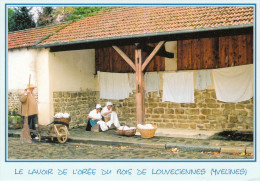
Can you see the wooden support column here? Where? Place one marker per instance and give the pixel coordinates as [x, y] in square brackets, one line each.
[139, 70]
[140, 109]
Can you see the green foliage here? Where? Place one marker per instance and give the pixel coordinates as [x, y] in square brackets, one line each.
[46, 17]
[10, 19]
[82, 12]
[14, 113]
[20, 19]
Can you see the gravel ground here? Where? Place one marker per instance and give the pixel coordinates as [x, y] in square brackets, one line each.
[70, 150]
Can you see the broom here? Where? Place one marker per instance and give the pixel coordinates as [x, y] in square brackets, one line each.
[25, 136]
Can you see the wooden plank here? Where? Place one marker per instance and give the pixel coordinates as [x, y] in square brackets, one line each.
[149, 58]
[215, 55]
[158, 63]
[249, 48]
[125, 57]
[179, 54]
[97, 55]
[195, 53]
[232, 51]
[106, 56]
[118, 62]
[185, 57]
[205, 52]
[188, 51]
[210, 55]
[242, 59]
[110, 59]
[222, 52]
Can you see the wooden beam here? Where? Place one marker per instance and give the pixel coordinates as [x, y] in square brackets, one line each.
[162, 52]
[139, 88]
[125, 57]
[149, 58]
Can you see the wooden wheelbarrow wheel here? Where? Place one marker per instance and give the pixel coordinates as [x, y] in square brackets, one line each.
[39, 137]
[63, 135]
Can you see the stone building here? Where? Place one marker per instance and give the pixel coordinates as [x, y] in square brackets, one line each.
[64, 59]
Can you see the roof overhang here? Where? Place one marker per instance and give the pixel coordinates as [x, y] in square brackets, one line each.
[149, 37]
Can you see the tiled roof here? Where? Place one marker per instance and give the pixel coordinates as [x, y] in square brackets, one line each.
[134, 21]
[125, 21]
[27, 38]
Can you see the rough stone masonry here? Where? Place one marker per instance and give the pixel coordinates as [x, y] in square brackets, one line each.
[207, 113]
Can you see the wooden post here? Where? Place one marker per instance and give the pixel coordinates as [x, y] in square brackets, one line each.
[140, 109]
[139, 67]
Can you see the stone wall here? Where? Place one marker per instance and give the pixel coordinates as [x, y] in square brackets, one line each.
[79, 104]
[206, 113]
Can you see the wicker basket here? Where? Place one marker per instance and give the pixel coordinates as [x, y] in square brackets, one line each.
[63, 120]
[130, 132]
[147, 133]
[120, 132]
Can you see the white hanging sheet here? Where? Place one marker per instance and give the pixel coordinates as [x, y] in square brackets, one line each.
[203, 79]
[152, 83]
[178, 87]
[113, 86]
[234, 84]
[132, 82]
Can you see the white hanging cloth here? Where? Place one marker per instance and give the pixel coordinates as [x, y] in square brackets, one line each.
[132, 82]
[113, 86]
[152, 83]
[234, 84]
[178, 87]
[203, 79]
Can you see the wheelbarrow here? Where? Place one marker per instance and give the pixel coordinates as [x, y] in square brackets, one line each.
[56, 129]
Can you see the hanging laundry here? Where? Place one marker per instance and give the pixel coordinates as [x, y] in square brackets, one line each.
[113, 86]
[203, 79]
[234, 84]
[152, 82]
[178, 87]
[132, 82]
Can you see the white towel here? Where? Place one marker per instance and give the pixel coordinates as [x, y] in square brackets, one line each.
[152, 82]
[178, 87]
[103, 125]
[132, 82]
[234, 84]
[113, 85]
[203, 79]
[113, 120]
[146, 126]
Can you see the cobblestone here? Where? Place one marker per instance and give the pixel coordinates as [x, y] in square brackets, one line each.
[70, 150]
[108, 145]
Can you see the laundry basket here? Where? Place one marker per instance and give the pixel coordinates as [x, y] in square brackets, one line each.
[147, 133]
[64, 121]
[130, 132]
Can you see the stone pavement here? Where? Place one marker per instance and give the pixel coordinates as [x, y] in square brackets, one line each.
[188, 141]
[72, 150]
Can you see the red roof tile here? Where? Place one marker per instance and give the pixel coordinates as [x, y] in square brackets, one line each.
[27, 38]
[132, 21]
